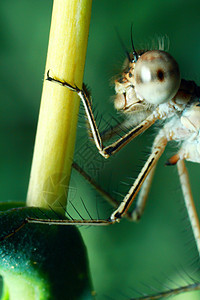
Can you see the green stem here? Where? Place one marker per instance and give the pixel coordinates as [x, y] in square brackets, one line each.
[56, 132]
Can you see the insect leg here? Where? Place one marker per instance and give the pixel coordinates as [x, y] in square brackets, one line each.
[70, 222]
[136, 214]
[189, 202]
[122, 210]
[172, 292]
[117, 129]
[13, 231]
[125, 139]
[107, 151]
[142, 197]
[158, 148]
[99, 189]
[106, 196]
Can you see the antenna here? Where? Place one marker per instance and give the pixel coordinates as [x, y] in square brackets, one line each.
[123, 45]
[135, 56]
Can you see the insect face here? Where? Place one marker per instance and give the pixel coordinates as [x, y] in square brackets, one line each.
[126, 99]
[152, 80]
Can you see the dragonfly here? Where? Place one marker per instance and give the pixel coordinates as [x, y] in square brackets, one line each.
[148, 90]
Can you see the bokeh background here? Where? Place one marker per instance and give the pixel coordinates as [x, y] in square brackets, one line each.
[159, 251]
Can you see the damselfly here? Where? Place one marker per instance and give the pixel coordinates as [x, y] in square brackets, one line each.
[149, 89]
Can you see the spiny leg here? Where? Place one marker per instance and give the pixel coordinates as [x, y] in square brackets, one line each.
[189, 202]
[137, 212]
[98, 188]
[158, 148]
[107, 134]
[14, 231]
[70, 222]
[121, 142]
[142, 197]
[173, 292]
[105, 195]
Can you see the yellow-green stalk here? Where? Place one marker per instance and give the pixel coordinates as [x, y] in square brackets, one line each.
[56, 132]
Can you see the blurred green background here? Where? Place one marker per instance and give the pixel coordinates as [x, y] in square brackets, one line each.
[125, 257]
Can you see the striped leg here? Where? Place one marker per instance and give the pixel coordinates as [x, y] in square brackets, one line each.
[170, 293]
[98, 188]
[189, 202]
[142, 197]
[136, 214]
[185, 185]
[158, 148]
[107, 151]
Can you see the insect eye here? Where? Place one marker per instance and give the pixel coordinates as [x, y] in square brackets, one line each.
[157, 77]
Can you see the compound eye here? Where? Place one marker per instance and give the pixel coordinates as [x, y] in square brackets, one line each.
[157, 77]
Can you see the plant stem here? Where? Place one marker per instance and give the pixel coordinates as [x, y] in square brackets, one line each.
[56, 132]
